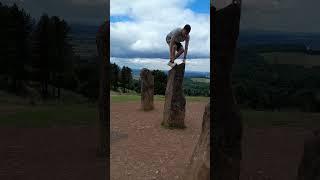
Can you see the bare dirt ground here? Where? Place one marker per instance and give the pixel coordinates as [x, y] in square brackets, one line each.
[272, 153]
[142, 149]
[50, 154]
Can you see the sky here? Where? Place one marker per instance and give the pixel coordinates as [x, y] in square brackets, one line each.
[278, 15]
[91, 12]
[139, 28]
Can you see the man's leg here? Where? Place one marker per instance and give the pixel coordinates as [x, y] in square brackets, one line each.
[181, 50]
[173, 51]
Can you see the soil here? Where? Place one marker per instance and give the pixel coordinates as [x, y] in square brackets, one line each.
[140, 149]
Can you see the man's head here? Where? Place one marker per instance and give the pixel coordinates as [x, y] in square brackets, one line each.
[186, 30]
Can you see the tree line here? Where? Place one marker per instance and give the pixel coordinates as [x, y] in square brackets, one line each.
[34, 52]
[121, 79]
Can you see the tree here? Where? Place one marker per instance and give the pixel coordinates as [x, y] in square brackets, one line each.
[52, 53]
[125, 78]
[14, 45]
[114, 76]
[160, 79]
[41, 53]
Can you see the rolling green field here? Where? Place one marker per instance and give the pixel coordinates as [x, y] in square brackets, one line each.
[204, 80]
[292, 58]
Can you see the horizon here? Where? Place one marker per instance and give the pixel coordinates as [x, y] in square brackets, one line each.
[192, 65]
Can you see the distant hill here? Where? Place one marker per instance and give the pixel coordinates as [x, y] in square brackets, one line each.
[269, 37]
[188, 74]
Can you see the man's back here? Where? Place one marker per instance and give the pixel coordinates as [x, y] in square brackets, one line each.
[177, 33]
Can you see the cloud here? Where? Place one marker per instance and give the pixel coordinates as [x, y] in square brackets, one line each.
[281, 15]
[150, 22]
[200, 65]
[74, 11]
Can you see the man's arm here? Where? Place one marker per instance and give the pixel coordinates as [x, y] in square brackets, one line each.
[186, 48]
[172, 53]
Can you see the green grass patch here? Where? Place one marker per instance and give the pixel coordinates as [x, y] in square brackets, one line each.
[51, 116]
[135, 98]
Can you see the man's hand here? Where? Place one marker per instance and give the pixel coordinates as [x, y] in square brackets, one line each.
[186, 48]
[171, 58]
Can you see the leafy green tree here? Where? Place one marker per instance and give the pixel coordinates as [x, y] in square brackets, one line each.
[125, 78]
[114, 76]
[160, 82]
[14, 45]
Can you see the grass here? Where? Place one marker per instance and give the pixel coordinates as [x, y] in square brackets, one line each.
[135, 98]
[50, 116]
[15, 112]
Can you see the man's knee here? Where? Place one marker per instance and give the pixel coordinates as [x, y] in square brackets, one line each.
[174, 47]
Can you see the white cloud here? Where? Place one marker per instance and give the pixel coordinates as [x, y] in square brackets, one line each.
[201, 65]
[150, 21]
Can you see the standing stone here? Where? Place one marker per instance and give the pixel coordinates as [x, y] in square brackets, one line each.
[309, 168]
[175, 102]
[102, 42]
[147, 89]
[226, 119]
[103, 49]
[199, 167]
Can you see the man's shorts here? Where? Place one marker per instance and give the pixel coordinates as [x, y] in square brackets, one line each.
[178, 44]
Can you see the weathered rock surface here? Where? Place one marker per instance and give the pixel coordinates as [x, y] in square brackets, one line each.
[309, 168]
[102, 42]
[226, 117]
[199, 167]
[147, 89]
[175, 102]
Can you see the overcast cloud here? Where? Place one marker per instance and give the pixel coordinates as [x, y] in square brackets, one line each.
[200, 65]
[278, 15]
[91, 12]
[143, 35]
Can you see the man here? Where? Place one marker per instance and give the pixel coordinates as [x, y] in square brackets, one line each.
[174, 39]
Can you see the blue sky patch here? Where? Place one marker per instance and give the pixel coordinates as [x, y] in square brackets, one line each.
[200, 6]
[120, 18]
